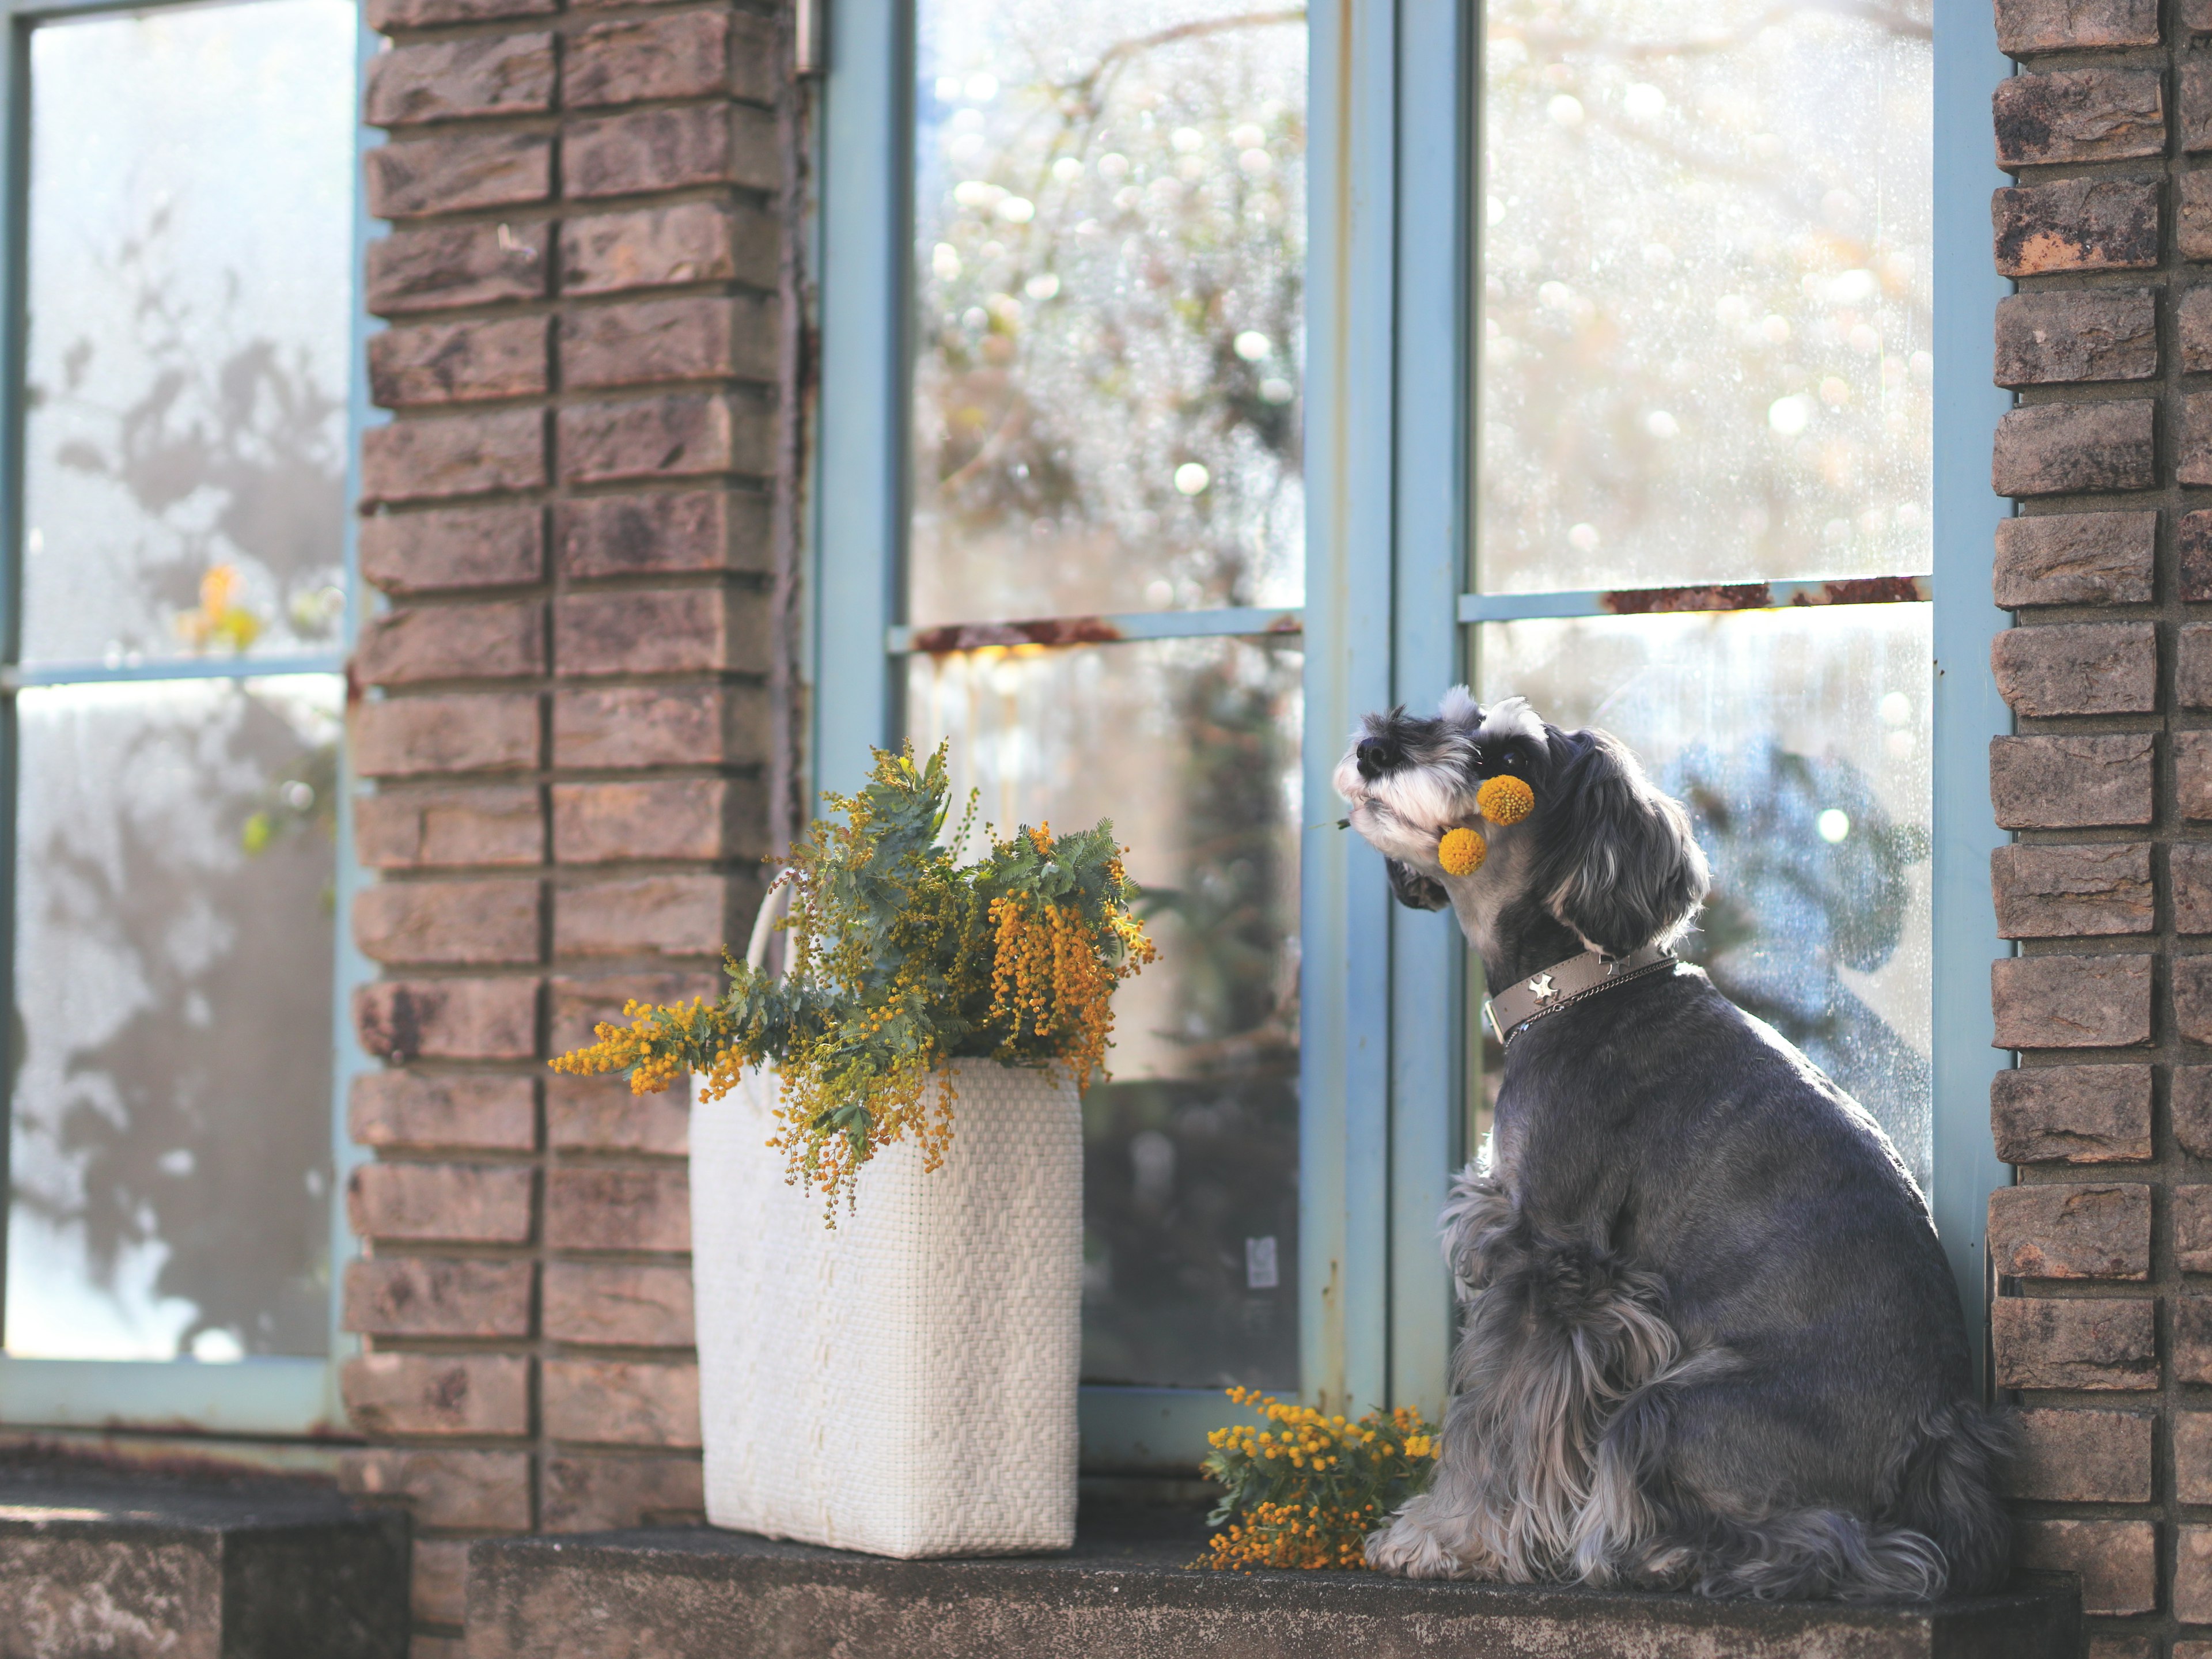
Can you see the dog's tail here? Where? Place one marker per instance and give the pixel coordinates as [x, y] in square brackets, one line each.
[1941, 1529]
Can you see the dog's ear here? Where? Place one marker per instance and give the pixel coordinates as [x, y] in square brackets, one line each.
[1625, 869]
[1413, 890]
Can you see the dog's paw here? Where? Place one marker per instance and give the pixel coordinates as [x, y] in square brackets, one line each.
[1409, 1549]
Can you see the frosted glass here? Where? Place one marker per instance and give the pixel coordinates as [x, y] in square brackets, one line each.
[191, 304]
[1191, 747]
[1705, 294]
[1800, 741]
[1109, 223]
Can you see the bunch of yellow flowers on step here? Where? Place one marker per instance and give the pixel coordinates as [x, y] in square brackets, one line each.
[1305, 1489]
[903, 958]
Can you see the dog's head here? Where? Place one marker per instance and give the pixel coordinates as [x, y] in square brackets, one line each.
[1602, 854]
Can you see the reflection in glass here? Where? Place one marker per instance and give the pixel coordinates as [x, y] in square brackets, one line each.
[169, 1146]
[1705, 299]
[1191, 747]
[190, 251]
[1800, 741]
[1109, 245]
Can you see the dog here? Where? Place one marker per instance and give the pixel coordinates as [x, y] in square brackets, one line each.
[1709, 1341]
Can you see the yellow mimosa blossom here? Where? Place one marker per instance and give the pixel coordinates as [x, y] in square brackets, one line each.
[1461, 852]
[1505, 799]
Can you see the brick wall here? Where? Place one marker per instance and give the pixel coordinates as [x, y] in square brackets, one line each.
[581, 515]
[2103, 1329]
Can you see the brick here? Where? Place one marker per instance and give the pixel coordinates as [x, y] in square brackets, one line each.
[2077, 668]
[2191, 1208]
[579, 1003]
[663, 247]
[680, 436]
[2195, 84]
[401, 1020]
[2077, 1343]
[757, 71]
[437, 1394]
[599, 1304]
[412, 178]
[448, 81]
[2074, 1231]
[401, 737]
[2192, 1456]
[683, 55]
[421, 1645]
[695, 530]
[668, 916]
[2192, 666]
[631, 726]
[2072, 1114]
[2071, 782]
[479, 1489]
[2194, 16]
[644, 150]
[2083, 1457]
[2192, 1339]
[2078, 115]
[406, 1109]
[2053, 892]
[443, 266]
[2193, 997]
[2094, 334]
[2075, 558]
[458, 362]
[2193, 1575]
[436, 1588]
[453, 548]
[444, 1203]
[620, 1402]
[2193, 235]
[2137, 1646]
[2075, 224]
[2190, 1102]
[600, 1114]
[423, 643]
[460, 923]
[2193, 453]
[648, 341]
[2056, 449]
[386, 15]
[2026, 26]
[416, 1296]
[416, 828]
[660, 631]
[2193, 773]
[2071, 1002]
[458, 455]
[595, 1208]
[592, 1494]
[2193, 540]
[2118, 1560]
[663, 818]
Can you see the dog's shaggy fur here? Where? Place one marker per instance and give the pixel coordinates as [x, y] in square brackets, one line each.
[1710, 1341]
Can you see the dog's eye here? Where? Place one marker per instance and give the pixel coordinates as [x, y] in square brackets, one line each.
[1512, 757]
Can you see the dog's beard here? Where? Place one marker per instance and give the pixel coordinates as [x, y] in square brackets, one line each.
[1403, 813]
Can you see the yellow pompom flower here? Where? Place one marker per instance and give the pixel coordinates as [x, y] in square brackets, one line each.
[1504, 799]
[1462, 851]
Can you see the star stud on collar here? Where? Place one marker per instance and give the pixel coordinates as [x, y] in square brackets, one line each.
[1543, 988]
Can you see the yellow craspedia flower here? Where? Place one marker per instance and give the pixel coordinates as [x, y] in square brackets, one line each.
[1461, 851]
[1506, 799]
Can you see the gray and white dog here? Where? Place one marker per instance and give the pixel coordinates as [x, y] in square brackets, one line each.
[1709, 1341]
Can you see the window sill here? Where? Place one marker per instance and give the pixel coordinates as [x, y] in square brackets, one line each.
[1125, 1587]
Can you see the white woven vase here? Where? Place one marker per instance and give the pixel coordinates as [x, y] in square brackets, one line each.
[904, 1384]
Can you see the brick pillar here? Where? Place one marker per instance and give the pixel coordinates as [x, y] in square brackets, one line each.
[2099, 1327]
[577, 513]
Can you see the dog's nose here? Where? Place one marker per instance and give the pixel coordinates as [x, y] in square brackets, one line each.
[1375, 757]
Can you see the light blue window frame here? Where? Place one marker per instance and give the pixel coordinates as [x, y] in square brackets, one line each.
[264, 1396]
[1383, 1070]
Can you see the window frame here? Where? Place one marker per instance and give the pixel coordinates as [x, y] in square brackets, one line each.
[270, 1396]
[1385, 992]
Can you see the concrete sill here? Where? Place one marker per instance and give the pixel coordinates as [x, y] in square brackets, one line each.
[1125, 1592]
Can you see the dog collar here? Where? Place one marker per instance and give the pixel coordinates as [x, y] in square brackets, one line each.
[1520, 1005]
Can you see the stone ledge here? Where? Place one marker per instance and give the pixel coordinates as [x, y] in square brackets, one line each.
[1125, 1592]
[129, 1570]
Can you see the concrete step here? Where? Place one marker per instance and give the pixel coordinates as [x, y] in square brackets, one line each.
[97, 1568]
[1126, 1592]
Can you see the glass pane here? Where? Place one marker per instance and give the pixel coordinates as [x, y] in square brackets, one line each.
[169, 1148]
[1190, 1171]
[1705, 296]
[191, 300]
[1110, 251]
[1800, 742]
